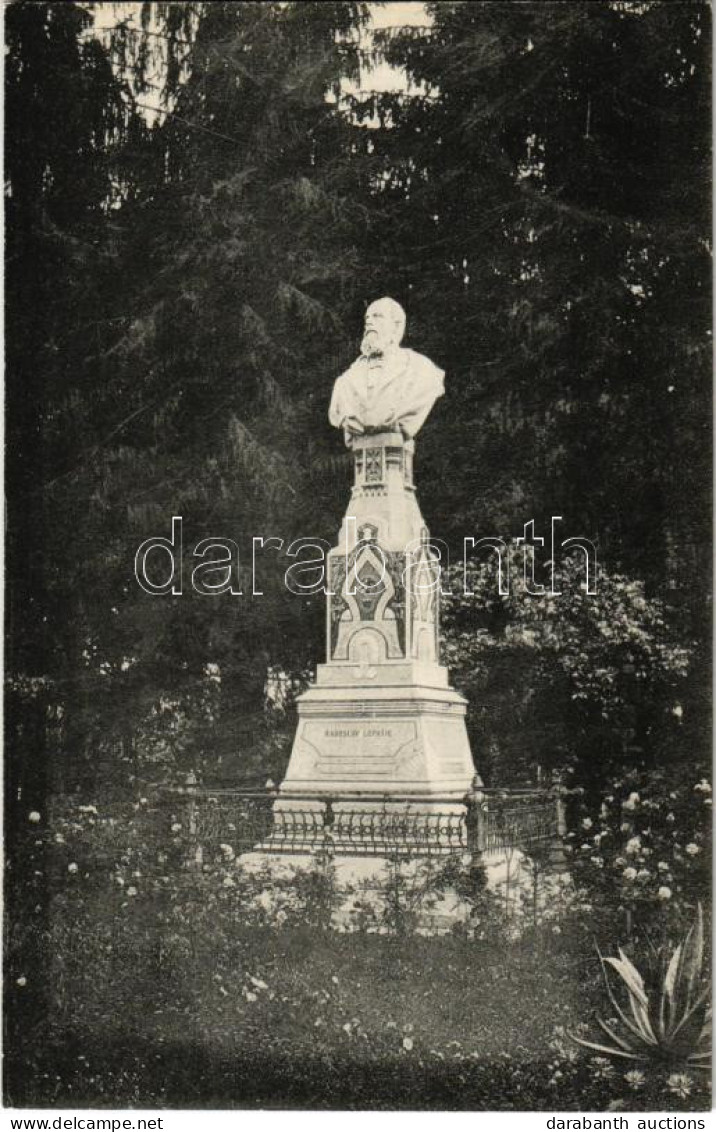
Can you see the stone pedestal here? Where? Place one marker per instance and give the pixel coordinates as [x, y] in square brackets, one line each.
[381, 731]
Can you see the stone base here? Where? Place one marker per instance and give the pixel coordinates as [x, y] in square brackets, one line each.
[380, 740]
[365, 888]
[381, 761]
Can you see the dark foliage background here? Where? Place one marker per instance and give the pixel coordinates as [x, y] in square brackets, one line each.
[183, 286]
[201, 199]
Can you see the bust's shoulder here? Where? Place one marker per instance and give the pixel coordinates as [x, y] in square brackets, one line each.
[355, 369]
[421, 366]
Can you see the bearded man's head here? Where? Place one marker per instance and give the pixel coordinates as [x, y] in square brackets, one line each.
[384, 327]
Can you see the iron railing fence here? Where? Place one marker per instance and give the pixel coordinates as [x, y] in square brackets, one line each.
[488, 823]
[527, 823]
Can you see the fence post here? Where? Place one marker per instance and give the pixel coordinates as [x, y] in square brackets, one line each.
[197, 853]
[557, 855]
[329, 818]
[561, 816]
[475, 820]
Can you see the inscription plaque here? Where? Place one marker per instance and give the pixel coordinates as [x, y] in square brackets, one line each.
[359, 748]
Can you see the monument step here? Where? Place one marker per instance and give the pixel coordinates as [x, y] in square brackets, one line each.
[378, 688]
[389, 673]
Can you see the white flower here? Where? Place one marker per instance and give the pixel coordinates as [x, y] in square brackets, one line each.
[597, 861]
[602, 1068]
[72, 867]
[22, 981]
[703, 787]
[670, 817]
[33, 816]
[587, 823]
[229, 882]
[680, 1084]
[619, 862]
[643, 874]
[176, 826]
[634, 1078]
[630, 874]
[631, 803]
[692, 849]
[664, 893]
[663, 867]
[408, 1044]
[131, 891]
[633, 845]
[120, 881]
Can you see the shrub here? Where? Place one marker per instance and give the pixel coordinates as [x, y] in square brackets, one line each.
[669, 1024]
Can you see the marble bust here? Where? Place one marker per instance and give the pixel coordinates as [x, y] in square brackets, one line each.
[388, 388]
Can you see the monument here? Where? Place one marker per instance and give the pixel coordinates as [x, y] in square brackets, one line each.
[380, 734]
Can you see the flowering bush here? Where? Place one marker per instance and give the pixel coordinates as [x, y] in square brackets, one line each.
[643, 852]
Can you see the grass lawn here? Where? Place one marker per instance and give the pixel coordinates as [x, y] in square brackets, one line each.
[300, 1017]
[132, 981]
[262, 1017]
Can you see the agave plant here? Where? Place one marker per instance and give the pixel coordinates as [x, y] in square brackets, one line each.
[674, 1025]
